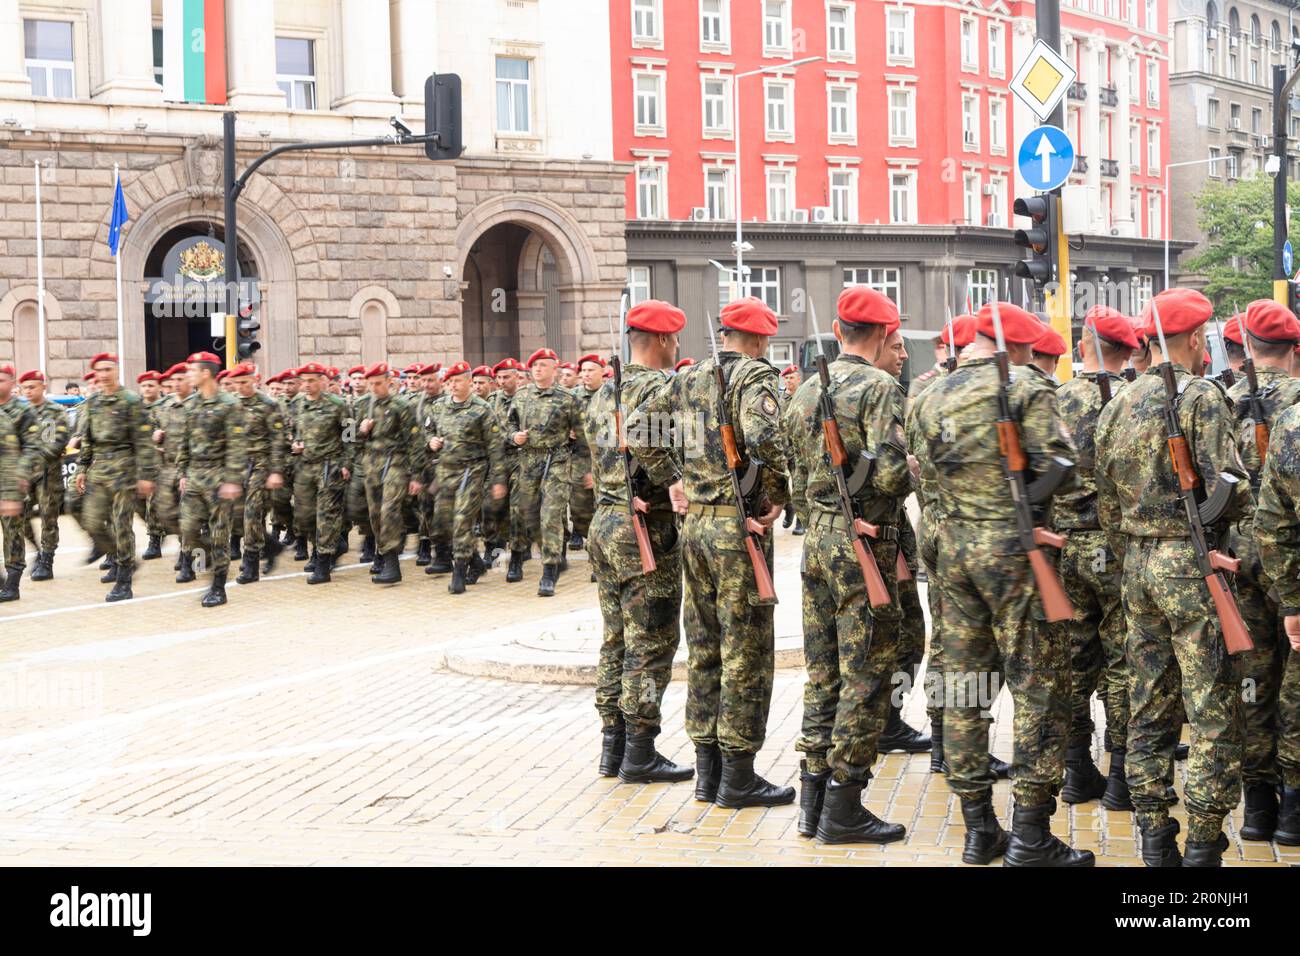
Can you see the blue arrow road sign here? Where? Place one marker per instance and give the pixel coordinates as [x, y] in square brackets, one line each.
[1288, 257]
[1045, 158]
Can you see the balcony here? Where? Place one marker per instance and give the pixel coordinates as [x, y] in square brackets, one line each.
[1110, 167]
[1080, 163]
[1077, 91]
[1109, 96]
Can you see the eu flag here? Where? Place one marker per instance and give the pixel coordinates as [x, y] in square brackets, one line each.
[119, 218]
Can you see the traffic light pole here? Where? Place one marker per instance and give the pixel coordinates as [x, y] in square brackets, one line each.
[1047, 22]
[1282, 85]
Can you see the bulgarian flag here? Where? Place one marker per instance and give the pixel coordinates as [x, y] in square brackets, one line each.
[194, 51]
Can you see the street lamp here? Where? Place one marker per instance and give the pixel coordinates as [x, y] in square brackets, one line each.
[1169, 166]
[735, 120]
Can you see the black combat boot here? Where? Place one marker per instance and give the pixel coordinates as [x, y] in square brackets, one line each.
[154, 548]
[740, 787]
[458, 572]
[985, 838]
[1205, 854]
[312, 562]
[176, 565]
[324, 562]
[367, 549]
[1159, 848]
[95, 554]
[643, 764]
[562, 566]
[107, 563]
[236, 548]
[845, 820]
[812, 795]
[423, 553]
[546, 586]
[575, 542]
[250, 569]
[708, 772]
[798, 527]
[392, 572]
[376, 563]
[1117, 795]
[272, 551]
[476, 568]
[9, 592]
[1083, 781]
[342, 547]
[111, 574]
[1032, 842]
[300, 548]
[122, 589]
[613, 740]
[1288, 818]
[999, 768]
[515, 572]
[441, 562]
[44, 569]
[1260, 818]
[937, 762]
[899, 736]
[216, 595]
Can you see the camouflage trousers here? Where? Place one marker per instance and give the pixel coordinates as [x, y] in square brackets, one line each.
[538, 503]
[495, 518]
[423, 507]
[202, 508]
[356, 502]
[911, 619]
[641, 613]
[318, 489]
[991, 608]
[1259, 674]
[281, 502]
[929, 554]
[850, 652]
[1090, 574]
[386, 492]
[47, 496]
[457, 502]
[166, 502]
[730, 636]
[108, 507]
[1172, 627]
[1288, 721]
[252, 511]
[15, 548]
[582, 501]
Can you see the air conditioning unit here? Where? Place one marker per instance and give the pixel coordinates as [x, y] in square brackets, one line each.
[821, 213]
[1236, 123]
[699, 214]
[800, 215]
[995, 220]
[1212, 33]
[990, 189]
[1232, 43]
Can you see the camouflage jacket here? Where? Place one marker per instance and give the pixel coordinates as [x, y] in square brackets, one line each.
[214, 437]
[581, 447]
[152, 410]
[927, 485]
[609, 481]
[868, 407]
[20, 414]
[916, 388]
[470, 434]
[548, 415]
[395, 436]
[424, 406]
[1079, 403]
[357, 409]
[1137, 492]
[116, 427]
[321, 426]
[957, 426]
[170, 415]
[1277, 516]
[265, 431]
[11, 454]
[1278, 391]
[48, 435]
[689, 402]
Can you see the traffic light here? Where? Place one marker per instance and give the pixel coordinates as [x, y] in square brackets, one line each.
[442, 116]
[246, 330]
[1039, 238]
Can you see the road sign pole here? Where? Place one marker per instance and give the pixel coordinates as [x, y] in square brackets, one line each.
[1047, 17]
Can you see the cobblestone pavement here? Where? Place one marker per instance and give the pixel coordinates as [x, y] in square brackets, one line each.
[322, 725]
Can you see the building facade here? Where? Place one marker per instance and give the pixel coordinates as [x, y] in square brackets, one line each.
[890, 160]
[346, 255]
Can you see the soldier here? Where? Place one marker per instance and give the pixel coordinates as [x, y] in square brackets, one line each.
[481, 382]
[430, 391]
[169, 418]
[496, 512]
[1091, 573]
[568, 375]
[591, 371]
[323, 469]
[395, 461]
[729, 630]
[356, 511]
[117, 461]
[48, 441]
[1171, 620]
[641, 610]
[267, 445]
[1047, 355]
[468, 442]
[990, 605]
[22, 419]
[794, 510]
[924, 380]
[1233, 349]
[849, 660]
[149, 384]
[1272, 332]
[543, 416]
[12, 483]
[283, 524]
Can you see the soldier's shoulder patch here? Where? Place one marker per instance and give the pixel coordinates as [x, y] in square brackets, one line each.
[768, 405]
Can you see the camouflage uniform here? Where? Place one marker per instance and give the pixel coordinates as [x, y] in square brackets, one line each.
[212, 451]
[116, 452]
[47, 437]
[916, 388]
[641, 612]
[990, 601]
[581, 498]
[356, 508]
[396, 453]
[11, 456]
[850, 661]
[318, 484]
[268, 448]
[23, 419]
[423, 505]
[497, 531]
[472, 458]
[730, 635]
[166, 508]
[542, 491]
[1171, 620]
[282, 498]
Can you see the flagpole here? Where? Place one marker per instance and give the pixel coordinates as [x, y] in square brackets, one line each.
[40, 270]
[117, 260]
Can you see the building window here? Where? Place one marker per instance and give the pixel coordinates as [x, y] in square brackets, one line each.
[717, 193]
[970, 51]
[1212, 114]
[776, 27]
[1256, 116]
[1216, 167]
[902, 197]
[1234, 116]
[715, 31]
[981, 287]
[1154, 220]
[48, 51]
[1151, 16]
[649, 104]
[971, 200]
[638, 283]
[295, 71]
[645, 22]
[1106, 193]
[779, 110]
[1103, 141]
[1140, 289]
[158, 55]
[1134, 78]
[1254, 71]
[1153, 82]
[839, 31]
[780, 195]
[902, 128]
[650, 178]
[997, 201]
[898, 33]
[997, 51]
[717, 97]
[1234, 163]
[1153, 150]
[970, 121]
[765, 283]
[886, 280]
[997, 127]
[841, 108]
[781, 354]
[844, 195]
[1134, 146]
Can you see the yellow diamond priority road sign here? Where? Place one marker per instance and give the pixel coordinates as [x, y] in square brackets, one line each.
[1042, 80]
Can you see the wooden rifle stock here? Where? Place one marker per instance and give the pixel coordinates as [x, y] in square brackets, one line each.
[1009, 445]
[762, 576]
[1235, 636]
[1183, 467]
[728, 433]
[1261, 441]
[902, 572]
[834, 444]
[1056, 603]
[643, 542]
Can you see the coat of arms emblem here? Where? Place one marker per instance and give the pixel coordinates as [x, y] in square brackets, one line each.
[202, 262]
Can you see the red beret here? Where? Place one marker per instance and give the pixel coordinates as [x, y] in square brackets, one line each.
[288, 374]
[312, 368]
[332, 371]
[102, 357]
[863, 305]
[504, 364]
[1018, 326]
[205, 357]
[1050, 343]
[1232, 328]
[609, 373]
[357, 370]
[460, 368]
[146, 376]
[273, 379]
[684, 363]
[568, 365]
[750, 315]
[413, 369]
[8, 370]
[595, 359]
[483, 371]
[1206, 360]
[1272, 322]
[88, 377]
[431, 369]
[963, 331]
[788, 370]
[36, 375]
[657, 317]
[1181, 310]
[242, 370]
[1111, 325]
[542, 353]
[378, 370]
[222, 375]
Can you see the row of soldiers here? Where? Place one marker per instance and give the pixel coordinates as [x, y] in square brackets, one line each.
[707, 460]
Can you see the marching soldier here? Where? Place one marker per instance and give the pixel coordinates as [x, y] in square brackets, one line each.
[430, 391]
[323, 468]
[1171, 620]
[12, 483]
[21, 418]
[283, 524]
[355, 509]
[395, 461]
[48, 441]
[496, 512]
[481, 382]
[641, 609]
[591, 371]
[1047, 354]
[729, 630]
[469, 445]
[117, 461]
[166, 506]
[149, 384]
[267, 445]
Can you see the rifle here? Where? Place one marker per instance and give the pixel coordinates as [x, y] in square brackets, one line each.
[950, 363]
[727, 431]
[858, 529]
[1226, 375]
[1056, 603]
[1130, 373]
[1209, 563]
[637, 518]
[1256, 406]
[1103, 377]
